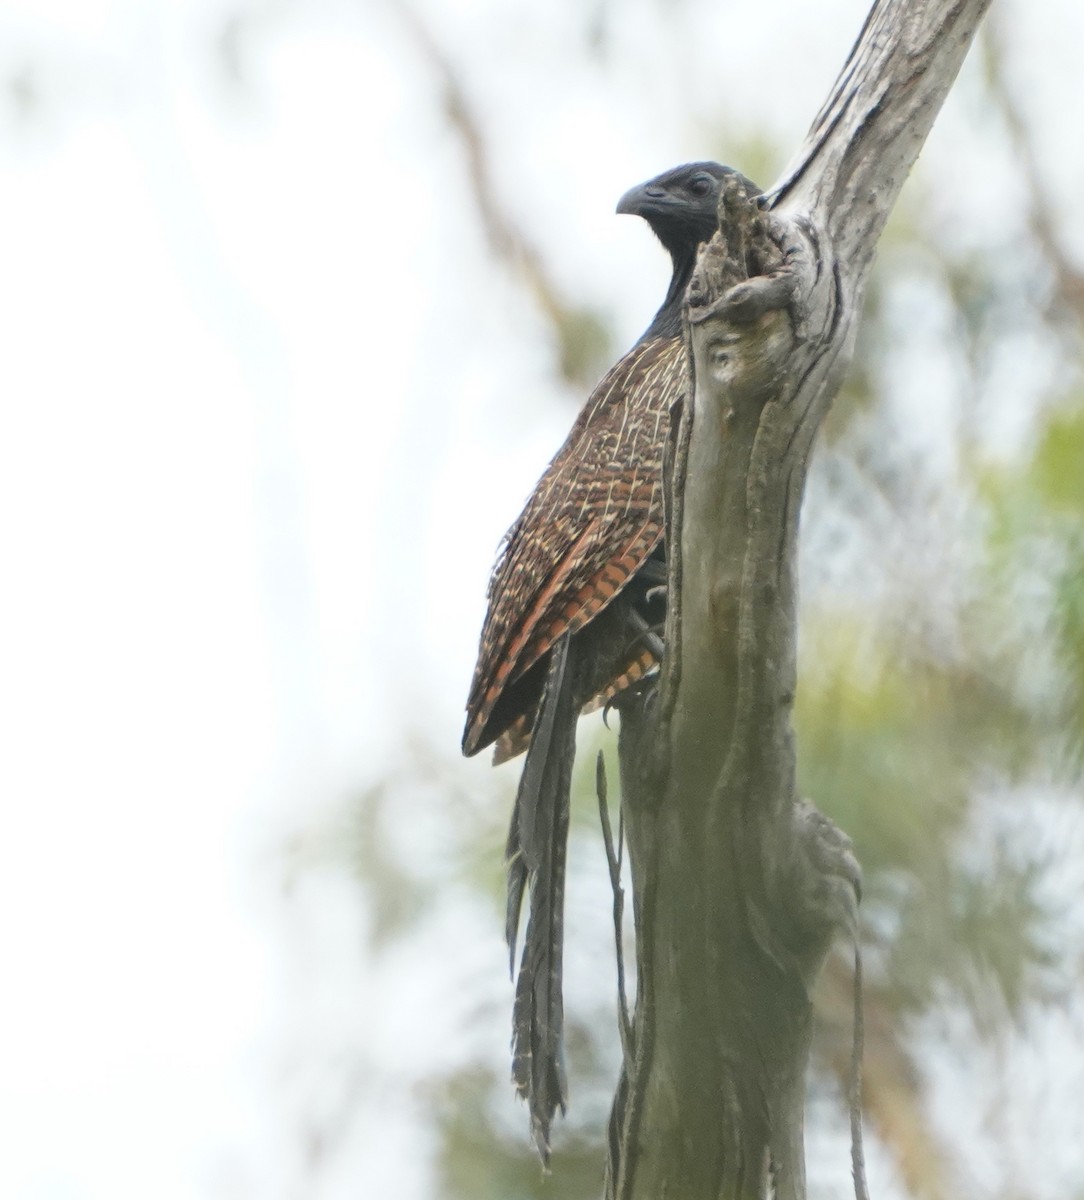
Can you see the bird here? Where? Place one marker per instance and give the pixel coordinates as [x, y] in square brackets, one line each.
[574, 609]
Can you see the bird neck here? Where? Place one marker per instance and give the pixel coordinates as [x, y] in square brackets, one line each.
[667, 322]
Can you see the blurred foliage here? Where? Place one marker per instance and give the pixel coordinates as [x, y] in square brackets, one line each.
[475, 1164]
[1037, 526]
[479, 1162]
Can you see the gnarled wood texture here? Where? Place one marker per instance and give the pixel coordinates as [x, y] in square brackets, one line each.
[739, 885]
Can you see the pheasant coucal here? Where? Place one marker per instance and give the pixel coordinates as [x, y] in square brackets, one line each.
[571, 612]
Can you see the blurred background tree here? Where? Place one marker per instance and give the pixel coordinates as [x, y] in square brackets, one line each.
[300, 300]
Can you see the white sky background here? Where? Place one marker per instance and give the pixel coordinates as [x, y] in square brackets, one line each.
[267, 407]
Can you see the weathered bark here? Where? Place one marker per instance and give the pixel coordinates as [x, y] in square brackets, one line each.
[739, 885]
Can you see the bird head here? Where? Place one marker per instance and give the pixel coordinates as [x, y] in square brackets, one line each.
[681, 205]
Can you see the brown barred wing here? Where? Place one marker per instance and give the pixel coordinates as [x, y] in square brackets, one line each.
[594, 518]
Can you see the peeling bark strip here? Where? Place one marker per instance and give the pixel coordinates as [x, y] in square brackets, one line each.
[739, 884]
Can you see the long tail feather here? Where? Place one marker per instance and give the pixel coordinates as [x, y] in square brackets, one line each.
[537, 846]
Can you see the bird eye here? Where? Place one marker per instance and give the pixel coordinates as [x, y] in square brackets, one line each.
[700, 186]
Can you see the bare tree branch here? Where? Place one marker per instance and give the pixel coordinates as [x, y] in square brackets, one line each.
[739, 884]
[580, 333]
[1068, 292]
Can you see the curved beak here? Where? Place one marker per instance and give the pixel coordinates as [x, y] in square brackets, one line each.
[643, 199]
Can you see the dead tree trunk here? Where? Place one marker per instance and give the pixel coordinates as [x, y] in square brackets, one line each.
[739, 885]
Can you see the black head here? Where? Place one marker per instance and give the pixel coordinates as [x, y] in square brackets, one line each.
[681, 205]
